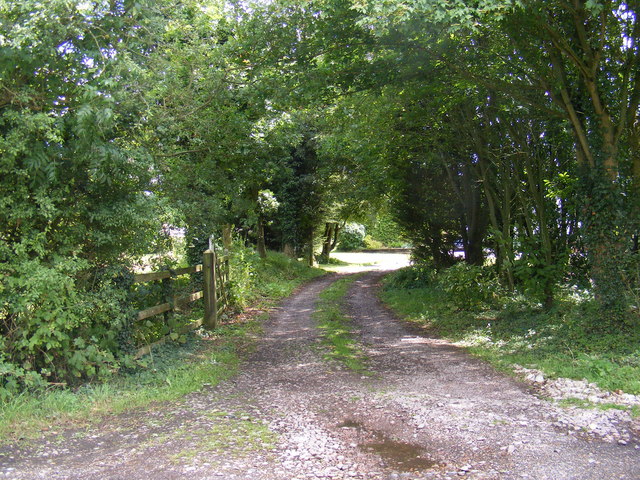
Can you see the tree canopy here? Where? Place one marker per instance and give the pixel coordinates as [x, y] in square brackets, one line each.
[508, 130]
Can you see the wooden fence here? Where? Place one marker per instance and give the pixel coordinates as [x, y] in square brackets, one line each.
[215, 272]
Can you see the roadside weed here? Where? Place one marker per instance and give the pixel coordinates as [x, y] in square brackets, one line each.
[228, 434]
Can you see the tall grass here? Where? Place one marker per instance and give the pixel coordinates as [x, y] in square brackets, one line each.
[179, 370]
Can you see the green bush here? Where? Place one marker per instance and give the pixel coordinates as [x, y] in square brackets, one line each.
[58, 330]
[64, 324]
[243, 262]
[371, 243]
[352, 237]
[276, 276]
[384, 231]
[417, 276]
[75, 195]
[470, 286]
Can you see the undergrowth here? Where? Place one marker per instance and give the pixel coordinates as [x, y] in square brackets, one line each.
[572, 340]
[277, 277]
[337, 334]
[169, 372]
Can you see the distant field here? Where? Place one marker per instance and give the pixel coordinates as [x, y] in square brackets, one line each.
[364, 261]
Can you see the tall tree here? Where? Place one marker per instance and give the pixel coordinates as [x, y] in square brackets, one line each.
[72, 181]
[575, 61]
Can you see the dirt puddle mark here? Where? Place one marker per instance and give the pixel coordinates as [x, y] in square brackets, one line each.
[352, 424]
[401, 456]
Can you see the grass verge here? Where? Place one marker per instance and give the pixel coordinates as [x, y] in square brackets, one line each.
[634, 410]
[571, 341]
[170, 372]
[337, 334]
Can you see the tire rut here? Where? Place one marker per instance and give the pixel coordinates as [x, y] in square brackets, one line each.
[481, 422]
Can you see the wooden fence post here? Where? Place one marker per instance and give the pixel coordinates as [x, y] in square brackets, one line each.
[209, 289]
[167, 295]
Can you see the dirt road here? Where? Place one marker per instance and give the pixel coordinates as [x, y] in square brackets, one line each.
[426, 410]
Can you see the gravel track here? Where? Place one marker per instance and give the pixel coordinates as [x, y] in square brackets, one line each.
[425, 410]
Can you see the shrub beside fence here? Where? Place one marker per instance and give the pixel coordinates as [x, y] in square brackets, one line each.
[215, 272]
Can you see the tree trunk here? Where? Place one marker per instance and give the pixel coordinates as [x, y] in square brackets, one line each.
[227, 239]
[327, 239]
[473, 252]
[635, 158]
[289, 251]
[440, 254]
[262, 249]
[473, 220]
[336, 232]
[635, 185]
[507, 237]
[500, 218]
[536, 185]
[606, 240]
[310, 257]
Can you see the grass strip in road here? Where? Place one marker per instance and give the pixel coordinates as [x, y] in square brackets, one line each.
[336, 330]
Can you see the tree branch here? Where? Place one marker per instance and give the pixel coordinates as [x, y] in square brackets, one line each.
[177, 154]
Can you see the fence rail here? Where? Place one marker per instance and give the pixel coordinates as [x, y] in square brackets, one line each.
[215, 271]
[148, 277]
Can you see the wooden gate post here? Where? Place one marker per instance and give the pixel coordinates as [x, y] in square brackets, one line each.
[209, 289]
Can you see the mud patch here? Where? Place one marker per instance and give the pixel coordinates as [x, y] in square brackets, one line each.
[401, 456]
